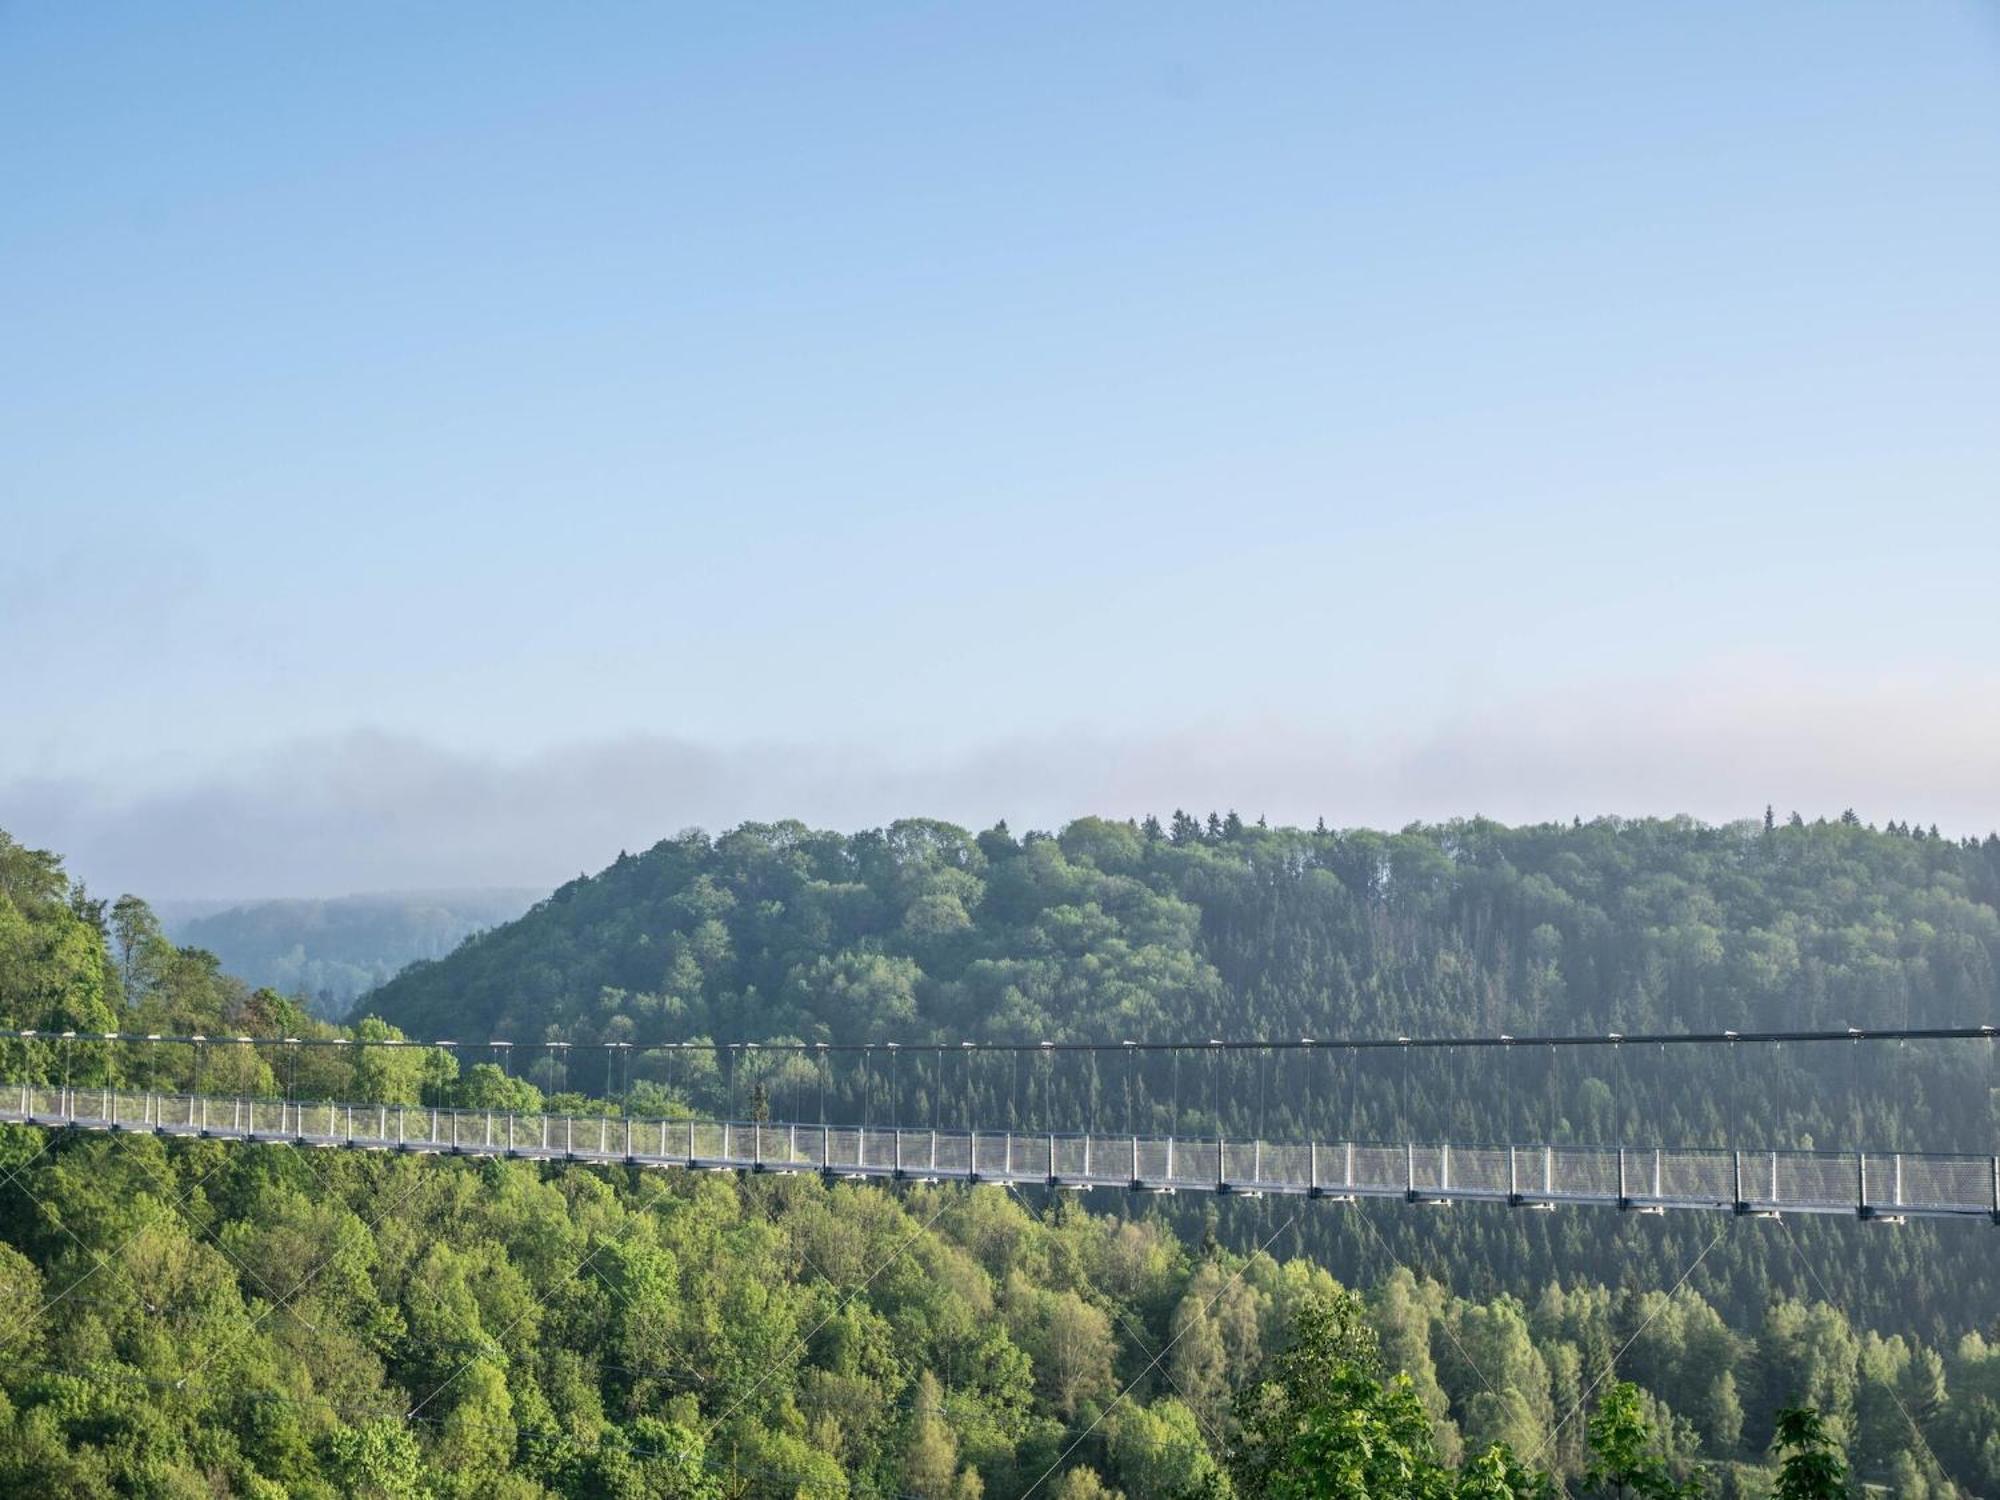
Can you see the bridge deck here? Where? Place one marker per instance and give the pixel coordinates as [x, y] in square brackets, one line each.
[1869, 1185]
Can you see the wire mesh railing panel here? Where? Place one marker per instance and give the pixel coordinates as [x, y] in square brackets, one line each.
[1584, 1172]
[911, 1151]
[705, 1141]
[648, 1139]
[878, 1149]
[1193, 1164]
[1819, 1179]
[1072, 1158]
[1110, 1160]
[1288, 1167]
[1947, 1182]
[841, 1149]
[1380, 1169]
[531, 1133]
[1696, 1177]
[954, 1153]
[1479, 1169]
[999, 1155]
[1238, 1163]
[1425, 1167]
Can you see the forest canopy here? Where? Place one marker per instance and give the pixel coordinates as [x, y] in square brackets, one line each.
[200, 1317]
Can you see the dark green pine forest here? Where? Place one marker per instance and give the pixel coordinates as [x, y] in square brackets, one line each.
[200, 1318]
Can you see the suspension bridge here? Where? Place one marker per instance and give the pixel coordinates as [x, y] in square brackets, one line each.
[1743, 1179]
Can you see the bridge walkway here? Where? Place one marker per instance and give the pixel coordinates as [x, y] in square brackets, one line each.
[1868, 1185]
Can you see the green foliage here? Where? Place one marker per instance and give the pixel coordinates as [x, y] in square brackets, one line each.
[1811, 1466]
[197, 1318]
[1326, 1423]
[1625, 1455]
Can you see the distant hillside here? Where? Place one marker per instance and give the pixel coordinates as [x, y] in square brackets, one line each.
[333, 951]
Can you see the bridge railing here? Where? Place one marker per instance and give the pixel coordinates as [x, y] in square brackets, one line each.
[1870, 1184]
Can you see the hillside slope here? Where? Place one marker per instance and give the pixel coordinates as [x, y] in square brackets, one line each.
[925, 932]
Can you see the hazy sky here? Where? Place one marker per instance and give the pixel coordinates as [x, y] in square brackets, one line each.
[447, 444]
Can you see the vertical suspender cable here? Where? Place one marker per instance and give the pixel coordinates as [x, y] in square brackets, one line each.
[1263, 1061]
[1549, 1129]
[1403, 1109]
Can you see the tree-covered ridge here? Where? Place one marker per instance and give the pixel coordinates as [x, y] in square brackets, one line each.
[1113, 930]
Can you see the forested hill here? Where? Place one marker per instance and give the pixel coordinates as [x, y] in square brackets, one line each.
[1115, 930]
[1109, 931]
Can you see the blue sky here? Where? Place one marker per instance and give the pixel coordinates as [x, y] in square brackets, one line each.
[1372, 411]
